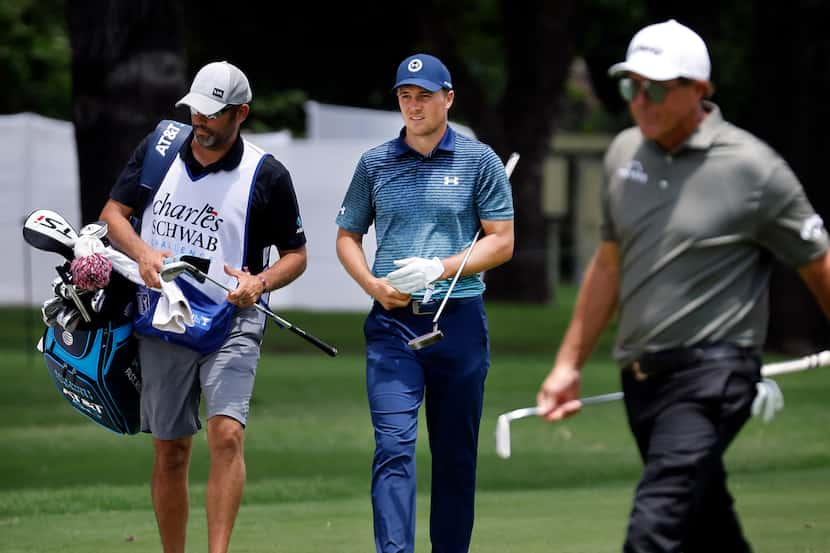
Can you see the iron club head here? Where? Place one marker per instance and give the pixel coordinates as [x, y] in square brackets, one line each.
[424, 340]
[170, 271]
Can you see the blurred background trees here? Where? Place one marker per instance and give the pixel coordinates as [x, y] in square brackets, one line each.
[115, 68]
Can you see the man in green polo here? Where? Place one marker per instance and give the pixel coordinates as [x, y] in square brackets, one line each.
[691, 204]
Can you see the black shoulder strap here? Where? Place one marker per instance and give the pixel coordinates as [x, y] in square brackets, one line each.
[164, 146]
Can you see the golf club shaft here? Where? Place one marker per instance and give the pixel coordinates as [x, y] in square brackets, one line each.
[326, 348]
[455, 278]
[820, 359]
[508, 169]
[590, 400]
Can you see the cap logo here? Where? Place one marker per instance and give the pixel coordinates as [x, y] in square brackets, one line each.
[218, 92]
[415, 65]
[656, 50]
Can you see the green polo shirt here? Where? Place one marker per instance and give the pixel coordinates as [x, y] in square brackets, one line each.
[693, 227]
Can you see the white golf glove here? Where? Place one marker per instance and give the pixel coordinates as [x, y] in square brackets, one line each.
[768, 401]
[415, 273]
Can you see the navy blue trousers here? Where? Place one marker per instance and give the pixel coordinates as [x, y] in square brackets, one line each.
[684, 420]
[449, 377]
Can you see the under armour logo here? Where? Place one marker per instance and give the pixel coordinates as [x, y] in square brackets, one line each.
[343, 210]
[450, 180]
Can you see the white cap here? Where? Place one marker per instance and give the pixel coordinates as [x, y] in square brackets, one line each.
[666, 51]
[216, 85]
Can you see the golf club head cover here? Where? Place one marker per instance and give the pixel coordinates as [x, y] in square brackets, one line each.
[415, 273]
[91, 272]
[768, 400]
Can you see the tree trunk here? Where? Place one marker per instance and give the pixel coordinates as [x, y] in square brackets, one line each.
[127, 73]
[538, 49]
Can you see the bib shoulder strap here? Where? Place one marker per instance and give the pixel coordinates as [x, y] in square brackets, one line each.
[165, 143]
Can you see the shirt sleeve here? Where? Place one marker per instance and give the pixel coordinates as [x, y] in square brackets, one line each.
[275, 207]
[788, 225]
[494, 197]
[357, 212]
[607, 231]
[125, 190]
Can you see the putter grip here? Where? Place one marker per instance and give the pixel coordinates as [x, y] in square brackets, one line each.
[330, 350]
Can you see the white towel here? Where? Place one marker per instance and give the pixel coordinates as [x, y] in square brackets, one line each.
[87, 245]
[173, 312]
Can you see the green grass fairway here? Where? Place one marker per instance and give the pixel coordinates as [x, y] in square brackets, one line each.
[67, 485]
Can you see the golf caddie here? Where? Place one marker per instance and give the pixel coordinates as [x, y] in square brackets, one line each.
[204, 191]
[427, 192]
[694, 209]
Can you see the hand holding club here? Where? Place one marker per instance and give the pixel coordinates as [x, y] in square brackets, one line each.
[415, 273]
[558, 397]
[249, 289]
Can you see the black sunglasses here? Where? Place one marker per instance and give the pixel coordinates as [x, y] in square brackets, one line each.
[655, 92]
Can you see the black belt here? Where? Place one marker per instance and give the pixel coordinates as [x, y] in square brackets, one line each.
[674, 360]
[431, 308]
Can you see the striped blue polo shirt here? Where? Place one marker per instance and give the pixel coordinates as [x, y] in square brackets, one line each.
[427, 206]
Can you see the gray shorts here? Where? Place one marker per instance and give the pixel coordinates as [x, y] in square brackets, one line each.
[174, 378]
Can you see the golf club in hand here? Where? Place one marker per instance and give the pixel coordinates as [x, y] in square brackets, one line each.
[175, 268]
[435, 335]
[820, 359]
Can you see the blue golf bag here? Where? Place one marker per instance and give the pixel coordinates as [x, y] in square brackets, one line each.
[95, 366]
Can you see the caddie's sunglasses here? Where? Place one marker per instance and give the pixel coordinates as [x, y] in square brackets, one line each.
[212, 116]
[655, 92]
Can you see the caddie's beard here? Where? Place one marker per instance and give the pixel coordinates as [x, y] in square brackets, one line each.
[211, 139]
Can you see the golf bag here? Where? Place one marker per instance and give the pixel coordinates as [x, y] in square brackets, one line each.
[95, 365]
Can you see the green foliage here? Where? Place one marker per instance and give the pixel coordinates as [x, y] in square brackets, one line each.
[283, 109]
[309, 447]
[35, 57]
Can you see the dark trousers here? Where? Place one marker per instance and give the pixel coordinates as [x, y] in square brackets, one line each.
[683, 417]
[449, 378]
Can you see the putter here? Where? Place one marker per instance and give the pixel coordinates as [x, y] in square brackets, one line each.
[435, 335]
[175, 268]
[815, 360]
[424, 340]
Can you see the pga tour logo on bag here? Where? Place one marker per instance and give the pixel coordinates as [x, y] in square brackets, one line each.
[142, 300]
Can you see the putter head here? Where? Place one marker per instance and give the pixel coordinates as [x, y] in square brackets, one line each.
[424, 340]
[49, 231]
[503, 437]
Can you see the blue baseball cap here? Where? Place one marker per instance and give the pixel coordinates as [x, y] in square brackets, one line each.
[425, 71]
